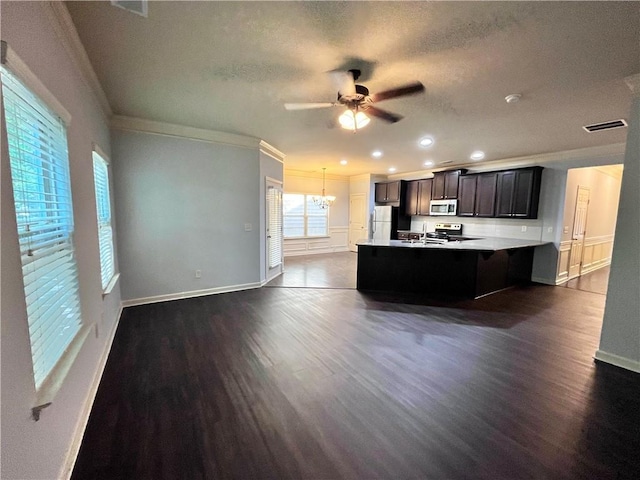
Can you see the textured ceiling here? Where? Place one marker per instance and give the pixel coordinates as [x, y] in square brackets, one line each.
[230, 67]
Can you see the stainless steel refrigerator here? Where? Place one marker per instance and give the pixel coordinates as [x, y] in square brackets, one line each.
[381, 222]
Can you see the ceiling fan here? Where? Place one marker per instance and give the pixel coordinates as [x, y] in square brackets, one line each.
[357, 100]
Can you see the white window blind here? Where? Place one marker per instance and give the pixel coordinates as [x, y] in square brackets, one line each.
[303, 218]
[37, 144]
[274, 202]
[103, 207]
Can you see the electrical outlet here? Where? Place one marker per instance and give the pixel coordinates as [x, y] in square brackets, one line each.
[565, 230]
[198, 274]
[248, 227]
[524, 228]
[550, 229]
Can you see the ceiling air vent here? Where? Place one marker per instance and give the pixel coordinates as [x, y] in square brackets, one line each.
[138, 7]
[596, 127]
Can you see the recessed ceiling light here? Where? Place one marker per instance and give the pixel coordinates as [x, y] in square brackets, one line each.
[426, 142]
[392, 169]
[428, 163]
[477, 155]
[513, 98]
[343, 162]
[376, 154]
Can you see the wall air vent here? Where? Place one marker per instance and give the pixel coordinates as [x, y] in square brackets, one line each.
[139, 7]
[596, 127]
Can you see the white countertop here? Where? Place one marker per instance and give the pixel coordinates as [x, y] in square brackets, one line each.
[492, 244]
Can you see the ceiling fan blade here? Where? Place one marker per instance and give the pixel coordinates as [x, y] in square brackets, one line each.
[343, 82]
[410, 89]
[383, 114]
[307, 106]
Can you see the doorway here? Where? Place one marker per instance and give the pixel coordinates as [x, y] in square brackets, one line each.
[579, 230]
[274, 234]
[357, 219]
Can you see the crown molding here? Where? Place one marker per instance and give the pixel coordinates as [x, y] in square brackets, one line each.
[581, 157]
[272, 151]
[66, 31]
[121, 122]
[314, 174]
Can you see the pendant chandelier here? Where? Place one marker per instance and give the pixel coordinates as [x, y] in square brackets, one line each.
[323, 201]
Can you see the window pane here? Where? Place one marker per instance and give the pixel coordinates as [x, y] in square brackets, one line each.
[293, 226]
[103, 213]
[292, 204]
[316, 226]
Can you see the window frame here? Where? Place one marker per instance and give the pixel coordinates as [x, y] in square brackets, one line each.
[109, 278]
[52, 381]
[305, 217]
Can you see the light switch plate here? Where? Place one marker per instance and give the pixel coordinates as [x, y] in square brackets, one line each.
[248, 227]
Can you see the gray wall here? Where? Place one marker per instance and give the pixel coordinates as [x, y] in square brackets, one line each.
[39, 449]
[182, 206]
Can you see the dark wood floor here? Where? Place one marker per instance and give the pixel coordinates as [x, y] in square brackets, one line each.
[309, 383]
[330, 270]
[595, 282]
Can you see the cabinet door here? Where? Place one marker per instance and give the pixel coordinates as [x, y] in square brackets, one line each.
[412, 200]
[504, 198]
[522, 194]
[451, 184]
[437, 191]
[485, 205]
[381, 192]
[393, 191]
[424, 196]
[467, 195]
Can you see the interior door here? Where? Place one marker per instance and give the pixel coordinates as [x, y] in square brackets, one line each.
[357, 219]
[579, 230]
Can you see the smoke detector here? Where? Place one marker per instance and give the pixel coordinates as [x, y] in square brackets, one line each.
[513, 98]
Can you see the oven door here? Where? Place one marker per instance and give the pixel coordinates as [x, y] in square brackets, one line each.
[443, 207]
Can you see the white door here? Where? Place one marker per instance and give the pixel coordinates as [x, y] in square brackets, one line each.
[357, 219]
[274, 250]
[579, 228]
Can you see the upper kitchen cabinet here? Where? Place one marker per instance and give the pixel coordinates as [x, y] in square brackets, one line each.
[390, 192]
[518, 193]
[477, 195]
[445, 184]
[418, 197]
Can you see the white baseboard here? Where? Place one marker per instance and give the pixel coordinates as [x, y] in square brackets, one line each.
[83, 419]
[545, 281]
[317, 251]
[618, 361]
[191, 294]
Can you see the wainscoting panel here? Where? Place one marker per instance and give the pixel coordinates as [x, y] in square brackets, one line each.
[337, 241]
[563, 262]
[597, 253]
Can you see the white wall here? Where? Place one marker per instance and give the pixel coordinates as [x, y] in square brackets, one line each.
[311, 183]
[182, 206]
[42, 449]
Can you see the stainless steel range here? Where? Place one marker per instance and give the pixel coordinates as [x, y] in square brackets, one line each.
[446, 232]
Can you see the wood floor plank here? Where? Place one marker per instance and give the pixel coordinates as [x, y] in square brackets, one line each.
[331, 383]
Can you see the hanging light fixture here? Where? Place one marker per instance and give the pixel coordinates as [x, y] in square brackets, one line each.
[323, 201]
[353, 120]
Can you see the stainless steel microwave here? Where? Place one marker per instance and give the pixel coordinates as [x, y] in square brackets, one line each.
[443, 207]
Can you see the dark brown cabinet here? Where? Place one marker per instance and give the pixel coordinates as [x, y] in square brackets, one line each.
[477, 195]
[389, 192]
[518, 193]
[418, 197]
[445, 184]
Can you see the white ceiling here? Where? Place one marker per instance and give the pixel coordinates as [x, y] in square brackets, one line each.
[230, 67]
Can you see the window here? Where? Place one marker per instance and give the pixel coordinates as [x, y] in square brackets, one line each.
[303, 218]
[103, 207]
[274, 228]
[37, 144]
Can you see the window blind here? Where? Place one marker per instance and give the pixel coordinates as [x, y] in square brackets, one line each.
[103, 207]
[274, 199]
[303, 218]
[37, 144]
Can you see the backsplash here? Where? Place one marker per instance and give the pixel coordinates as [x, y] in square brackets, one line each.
[484, 227]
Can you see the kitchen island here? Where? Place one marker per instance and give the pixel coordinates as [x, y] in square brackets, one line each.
[469, 269]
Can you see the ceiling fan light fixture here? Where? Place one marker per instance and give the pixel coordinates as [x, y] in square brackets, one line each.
[351, 120]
